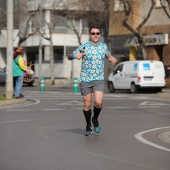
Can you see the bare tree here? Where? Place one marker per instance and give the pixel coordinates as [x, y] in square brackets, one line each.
[136, 33]
[49, 28]
[164, 7]
[89, 12]
[20, 16]
[3, 19]
[23, 36]
[49, 38]
[73, 10]
[23, 19]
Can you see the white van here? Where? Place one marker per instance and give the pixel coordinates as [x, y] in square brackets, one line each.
[135, 75]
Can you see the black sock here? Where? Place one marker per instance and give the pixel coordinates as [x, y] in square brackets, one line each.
[96, 112]
[87, 115]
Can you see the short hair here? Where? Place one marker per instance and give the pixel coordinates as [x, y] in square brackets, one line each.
[20, 49]
[95, 28]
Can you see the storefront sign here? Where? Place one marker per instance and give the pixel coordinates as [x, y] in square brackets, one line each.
[158, 39]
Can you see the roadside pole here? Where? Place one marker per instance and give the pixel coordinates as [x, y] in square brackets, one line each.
[40, 48]
[75, 88]
[9, 53]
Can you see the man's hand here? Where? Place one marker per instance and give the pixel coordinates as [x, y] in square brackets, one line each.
[28, 67]
[79, 55]
[69, 57]
[112, 59]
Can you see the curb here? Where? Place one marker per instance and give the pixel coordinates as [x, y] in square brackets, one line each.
[13, 102]
[165, 136]
[164, 95]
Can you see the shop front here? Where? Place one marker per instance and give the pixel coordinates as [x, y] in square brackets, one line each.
[157, 46]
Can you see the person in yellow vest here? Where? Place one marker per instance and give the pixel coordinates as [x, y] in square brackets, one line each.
[18, 72]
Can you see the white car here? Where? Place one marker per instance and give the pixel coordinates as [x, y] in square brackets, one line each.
[135, 75]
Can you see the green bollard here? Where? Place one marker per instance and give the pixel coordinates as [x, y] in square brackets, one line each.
[42, 86]
[75, 89]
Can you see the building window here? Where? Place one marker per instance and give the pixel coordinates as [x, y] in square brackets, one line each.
[58, 54]
[60, 25]
[118, 6]
[158, 3]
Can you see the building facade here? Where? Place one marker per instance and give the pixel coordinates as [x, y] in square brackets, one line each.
[156, 31]
[64, 39]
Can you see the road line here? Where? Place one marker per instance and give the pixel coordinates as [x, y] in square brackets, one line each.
[87, 152]
[22, 110]
[53, 109]
[148, 106]
[152, 104]
[140, 138]
[71, 103]
[118, 107]
[14, 121]
[77, 108]
[24, 105]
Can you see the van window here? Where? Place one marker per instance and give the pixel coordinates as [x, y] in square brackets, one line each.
[118, 69]
[146, 66]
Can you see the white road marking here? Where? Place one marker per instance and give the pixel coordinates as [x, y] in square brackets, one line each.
[71, 103]
[25, 105]
[140, 138]
[13, 121]
[152, 103]
[78, 108]
[85, 151]
[148, 106]
[119, 107]
[25, 110]
[53, 109]
[110, 95]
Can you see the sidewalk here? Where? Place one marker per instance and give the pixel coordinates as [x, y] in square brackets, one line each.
[165, 93]
[12, 102]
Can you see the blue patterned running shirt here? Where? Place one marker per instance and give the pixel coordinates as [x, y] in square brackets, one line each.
[92, 67]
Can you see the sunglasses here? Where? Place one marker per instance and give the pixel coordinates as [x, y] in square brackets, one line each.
[95, 33]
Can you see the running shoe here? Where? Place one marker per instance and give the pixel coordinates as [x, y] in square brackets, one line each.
[88, 131]
[96, 125]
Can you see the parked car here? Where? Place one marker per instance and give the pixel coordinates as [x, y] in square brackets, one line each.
[29, 82]
[3, 75]
[135, 75]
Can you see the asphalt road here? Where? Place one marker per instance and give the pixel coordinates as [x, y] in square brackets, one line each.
[47, 133]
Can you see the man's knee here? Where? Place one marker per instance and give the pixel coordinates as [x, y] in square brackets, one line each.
[87, 105]
[98, 104]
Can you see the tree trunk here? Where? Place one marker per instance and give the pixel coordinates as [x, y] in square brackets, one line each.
[143, 47]
[52, 77]
[144, 52]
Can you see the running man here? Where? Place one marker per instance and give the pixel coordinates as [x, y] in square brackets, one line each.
[92, 54]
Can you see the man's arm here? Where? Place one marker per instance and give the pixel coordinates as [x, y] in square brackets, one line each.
[21, 63]
[111, 59]
[78, 54]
